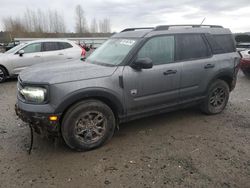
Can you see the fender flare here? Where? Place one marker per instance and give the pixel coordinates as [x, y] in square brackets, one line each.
[7, 72]
[104, 95]
[221, 74]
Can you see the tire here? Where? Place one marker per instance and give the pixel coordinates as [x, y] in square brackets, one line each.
[88, 125]
[3, 75]
[217, 98]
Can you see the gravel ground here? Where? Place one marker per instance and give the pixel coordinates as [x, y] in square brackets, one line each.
[179, 149]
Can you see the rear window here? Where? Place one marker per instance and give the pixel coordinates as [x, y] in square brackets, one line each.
[221, 43]
[50, 46]
[64, 45]
[191, 46]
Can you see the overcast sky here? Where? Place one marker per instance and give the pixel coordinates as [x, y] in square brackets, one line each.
[234, 14]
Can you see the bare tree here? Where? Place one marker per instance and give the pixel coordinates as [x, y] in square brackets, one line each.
[105, 26]
[56, 22]
[37, 21]
[94, 26]
[81, 24]
[28, 22]
[13, 24]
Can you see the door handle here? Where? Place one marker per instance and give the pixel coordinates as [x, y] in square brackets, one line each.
[60, 54]
[168, 72]
[36, 56]
[209, 66]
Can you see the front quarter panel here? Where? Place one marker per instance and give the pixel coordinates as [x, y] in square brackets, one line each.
[7, 62]
[63, 95]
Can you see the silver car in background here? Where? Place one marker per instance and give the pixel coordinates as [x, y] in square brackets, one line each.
[31, 53]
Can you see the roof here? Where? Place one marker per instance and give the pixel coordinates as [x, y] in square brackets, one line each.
[132, 34]
[171, 29]
[49, 40]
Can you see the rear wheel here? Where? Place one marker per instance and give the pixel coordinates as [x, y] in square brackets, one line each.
[3, 75]
[217, 98]
[88, 125]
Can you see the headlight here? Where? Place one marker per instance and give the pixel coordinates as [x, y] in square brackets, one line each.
[34, 94]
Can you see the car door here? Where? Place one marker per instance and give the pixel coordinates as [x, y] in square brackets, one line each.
[198, 65]
[148, 89]
[32, 55]
[52, 51]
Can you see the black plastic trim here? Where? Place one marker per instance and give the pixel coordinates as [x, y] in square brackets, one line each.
[91, 93]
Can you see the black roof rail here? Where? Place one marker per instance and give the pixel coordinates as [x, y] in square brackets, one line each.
[166, 27]
[136, 28]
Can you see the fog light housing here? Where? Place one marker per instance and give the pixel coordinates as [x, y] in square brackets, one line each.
[53, 118]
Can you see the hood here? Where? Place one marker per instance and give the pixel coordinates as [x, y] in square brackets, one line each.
[3, 54]
[59, 72]
[4, 57]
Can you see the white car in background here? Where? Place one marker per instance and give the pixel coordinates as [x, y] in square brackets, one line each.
[242, 46]
[31, 53]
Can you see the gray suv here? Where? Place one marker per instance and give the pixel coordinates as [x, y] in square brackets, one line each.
[136, 73]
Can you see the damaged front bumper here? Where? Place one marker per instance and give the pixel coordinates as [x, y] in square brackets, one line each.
[40, 122]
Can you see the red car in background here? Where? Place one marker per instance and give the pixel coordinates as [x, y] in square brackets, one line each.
[245, 62]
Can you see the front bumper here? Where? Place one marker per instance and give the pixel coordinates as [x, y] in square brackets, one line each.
[40, 122]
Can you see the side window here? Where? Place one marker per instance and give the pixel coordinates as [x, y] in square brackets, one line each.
[225, 43]
[191, 46]
[64, 45]
[50, 46]
[67, 45]
[32, 48]
[159, 49]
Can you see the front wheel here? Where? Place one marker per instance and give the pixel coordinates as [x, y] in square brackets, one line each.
[88, 125]
[217, 98]
[3, 75]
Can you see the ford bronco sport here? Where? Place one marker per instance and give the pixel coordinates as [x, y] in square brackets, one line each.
[136, 73]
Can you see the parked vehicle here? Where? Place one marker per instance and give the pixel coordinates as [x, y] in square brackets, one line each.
[84, 45]
[31, 53]
[245, 62]
[136, 73]
[243, 46]
[11, 45]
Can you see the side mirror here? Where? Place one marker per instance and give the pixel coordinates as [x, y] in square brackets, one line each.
[248, 52]
[142, 63]
[21, 52]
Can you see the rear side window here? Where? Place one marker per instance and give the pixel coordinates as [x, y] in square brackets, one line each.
[64, 45]
[159, 49]
[191, 46]
[50, 46]
[221, 43]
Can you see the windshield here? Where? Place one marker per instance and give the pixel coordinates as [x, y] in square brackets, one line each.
[112, 52]
[15, 49]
